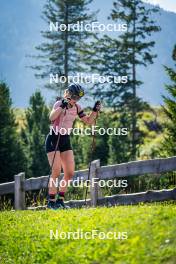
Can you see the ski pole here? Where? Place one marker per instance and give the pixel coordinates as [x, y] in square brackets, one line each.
[91, 156]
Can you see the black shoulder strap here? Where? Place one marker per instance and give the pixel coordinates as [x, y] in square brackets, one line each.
[81, 113]
[77, 108]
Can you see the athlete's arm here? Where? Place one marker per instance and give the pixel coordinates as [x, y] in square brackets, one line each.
[90, 119]
[55, 113]
[58, 108]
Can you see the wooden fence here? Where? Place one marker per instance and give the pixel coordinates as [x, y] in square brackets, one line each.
[20, 185]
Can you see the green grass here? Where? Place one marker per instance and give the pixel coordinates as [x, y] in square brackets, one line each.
[151, 229]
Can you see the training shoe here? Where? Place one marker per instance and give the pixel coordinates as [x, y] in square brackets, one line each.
[60, 204]
[51, 205]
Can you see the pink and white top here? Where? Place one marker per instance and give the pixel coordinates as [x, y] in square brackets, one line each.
[64, 122]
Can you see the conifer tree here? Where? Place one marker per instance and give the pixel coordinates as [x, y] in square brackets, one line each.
[137, 45]
[119, 57]
[37, 127]
[59, 54]
[169, 144]
[11, 154]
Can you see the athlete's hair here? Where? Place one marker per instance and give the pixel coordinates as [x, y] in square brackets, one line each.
[58, 98]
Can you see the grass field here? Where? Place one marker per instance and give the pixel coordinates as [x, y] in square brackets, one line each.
[151, 231]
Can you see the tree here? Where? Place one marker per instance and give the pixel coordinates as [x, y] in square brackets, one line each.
[33, 135]
[60, 55]
[106, 59]
[119, 57]
[137, 45]
[169, 107]
[119, 145]
[11, 153]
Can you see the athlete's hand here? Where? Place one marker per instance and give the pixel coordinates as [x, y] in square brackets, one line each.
[64, 104]
[97, 106]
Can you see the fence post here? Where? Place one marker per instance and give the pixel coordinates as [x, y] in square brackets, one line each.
[94, 186]
[19, 191]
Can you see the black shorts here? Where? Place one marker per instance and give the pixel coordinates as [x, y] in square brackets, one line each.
[51, 141]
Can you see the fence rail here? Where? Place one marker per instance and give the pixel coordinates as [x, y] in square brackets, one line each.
[20, 185]
[135, 168]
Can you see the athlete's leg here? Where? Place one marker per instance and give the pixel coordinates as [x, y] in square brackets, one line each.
[56, 170]
[68, 165]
